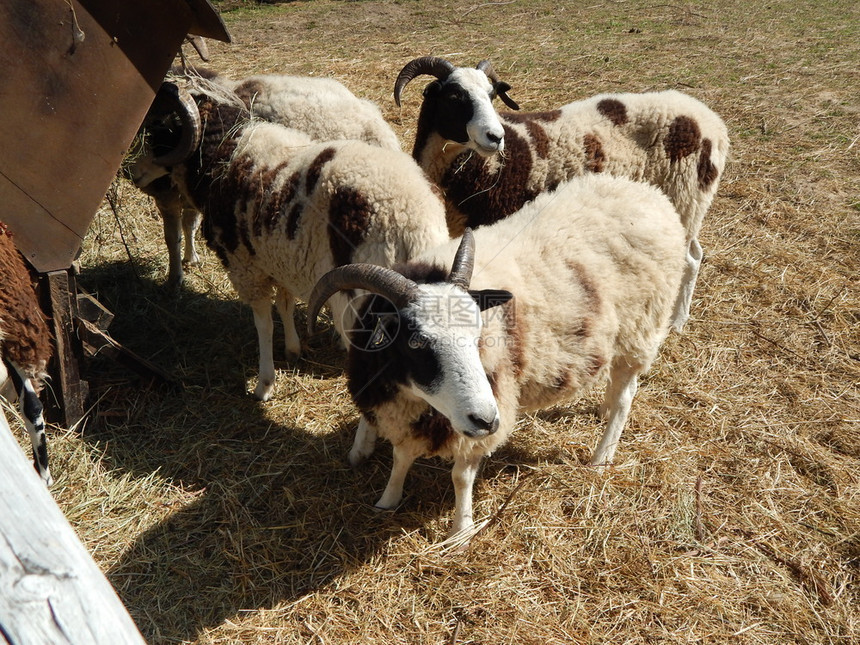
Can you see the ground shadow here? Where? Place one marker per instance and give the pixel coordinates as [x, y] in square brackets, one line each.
[279, 511]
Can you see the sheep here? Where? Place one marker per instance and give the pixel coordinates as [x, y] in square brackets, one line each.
[490, 164]
[280, 209]
[322, 108]
[25, 347]
[577, 287]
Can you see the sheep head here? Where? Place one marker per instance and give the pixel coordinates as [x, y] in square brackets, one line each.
[419, 338]
[170, 133]
[459, 103]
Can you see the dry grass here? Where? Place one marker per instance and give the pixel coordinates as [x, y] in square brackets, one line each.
[733, 512]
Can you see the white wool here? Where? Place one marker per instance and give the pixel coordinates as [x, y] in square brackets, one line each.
[594, 268]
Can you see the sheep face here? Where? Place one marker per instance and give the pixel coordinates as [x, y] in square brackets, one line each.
[463, 112]
[430, 350]
[156, 137]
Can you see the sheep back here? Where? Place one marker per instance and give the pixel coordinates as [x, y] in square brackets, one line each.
[321, 107]
[594, 268]
[285, 209]
[24, 334]
[666, 138]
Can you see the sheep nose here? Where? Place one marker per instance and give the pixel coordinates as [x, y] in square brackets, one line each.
[482, 424]
[494, 138]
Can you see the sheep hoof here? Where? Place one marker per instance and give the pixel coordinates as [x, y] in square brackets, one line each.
[173, 284]
[357, 458]
[601, 464]
[264, 390]
[386, 505]
[293, 357]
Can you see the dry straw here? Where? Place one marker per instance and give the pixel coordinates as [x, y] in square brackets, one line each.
[732, 512]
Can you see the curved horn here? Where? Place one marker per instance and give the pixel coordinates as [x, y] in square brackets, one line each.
[173, 99]
[438, 67]
[464, 261]
[380, 280]
[499, 85]
[199, 45]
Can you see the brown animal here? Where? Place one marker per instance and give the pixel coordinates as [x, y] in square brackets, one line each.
[25, 346]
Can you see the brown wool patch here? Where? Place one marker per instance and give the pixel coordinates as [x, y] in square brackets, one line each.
[248, 90]
[485, 197]
[270, 208]
[529, 117]
[433, 427]
[707, 171]
[563, 380]
[293, 220]
[539, 139]
[315, 169]
[595, 364]
[614, 110]
[220, 226]
[594, 156]
[27, 339]
[349, 216]
[287, 194]
[516, 329]
[683, 139]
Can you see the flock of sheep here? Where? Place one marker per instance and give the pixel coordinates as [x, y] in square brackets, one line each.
[512, 261]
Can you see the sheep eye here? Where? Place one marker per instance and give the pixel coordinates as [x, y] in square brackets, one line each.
[379, 336]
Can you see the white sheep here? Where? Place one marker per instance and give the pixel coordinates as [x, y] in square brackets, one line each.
[322, 108]
[280, 209]
[592, 269]
[25, 347]
[490, 164]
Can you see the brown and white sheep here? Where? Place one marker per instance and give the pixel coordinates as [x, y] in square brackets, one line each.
[280, 210]
[576, 288]
[25, 346]
[489, 164]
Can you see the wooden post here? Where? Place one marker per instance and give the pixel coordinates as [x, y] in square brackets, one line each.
[51, 591]
[63, 310]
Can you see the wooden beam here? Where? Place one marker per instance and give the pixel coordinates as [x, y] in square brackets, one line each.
[51, 591]
[97, 341]
[63, 309]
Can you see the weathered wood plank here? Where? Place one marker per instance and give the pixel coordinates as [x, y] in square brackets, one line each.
[73, 391]
[51, 591]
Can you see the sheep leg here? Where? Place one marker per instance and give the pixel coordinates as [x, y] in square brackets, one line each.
[34, 421]
[681, 312]
[286, 305]
[404, 456]
[191, 218]
[622, 387]
[463, 475]
[265, 329]
[170, 209]
[364, 442]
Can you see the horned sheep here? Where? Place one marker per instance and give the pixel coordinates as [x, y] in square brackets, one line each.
[25, 346]
[280, 209]
[322, 108]
[490, 164]
[576, 287]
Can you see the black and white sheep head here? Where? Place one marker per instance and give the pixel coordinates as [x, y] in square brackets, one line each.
[459, 103]
[170, 133]
[419, 338]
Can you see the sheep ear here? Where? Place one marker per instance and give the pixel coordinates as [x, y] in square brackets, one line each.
[502, 90]
[432, 88]
[488, 298]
